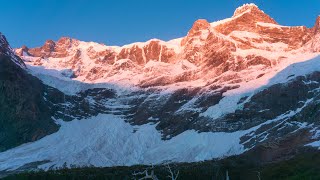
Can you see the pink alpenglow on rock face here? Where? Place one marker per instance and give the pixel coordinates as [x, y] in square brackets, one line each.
[246, 39]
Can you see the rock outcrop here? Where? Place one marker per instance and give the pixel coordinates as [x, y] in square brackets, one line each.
[24, 113]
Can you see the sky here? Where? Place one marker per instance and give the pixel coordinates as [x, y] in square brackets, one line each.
[119, 22]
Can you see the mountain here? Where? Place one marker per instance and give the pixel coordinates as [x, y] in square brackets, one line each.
[242, 84]
[24, 113]
[28, 107]
[216, 47]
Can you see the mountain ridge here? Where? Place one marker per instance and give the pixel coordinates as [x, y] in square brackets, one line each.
[233, 38]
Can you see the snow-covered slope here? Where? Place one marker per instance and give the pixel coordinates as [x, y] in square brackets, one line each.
[107, 140]
[223, 89]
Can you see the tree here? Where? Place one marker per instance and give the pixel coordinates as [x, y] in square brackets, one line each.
[173, 174]
[258, 175]
[145, 174]
[227, 175]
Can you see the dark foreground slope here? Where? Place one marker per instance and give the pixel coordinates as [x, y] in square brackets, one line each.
[24, 114]
[305, 165]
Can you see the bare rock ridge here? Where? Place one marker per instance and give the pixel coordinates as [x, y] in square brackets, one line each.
[196, 29]
[138, 53]
[316, 27]
[245, 18]
[5, 49]
[314, 44]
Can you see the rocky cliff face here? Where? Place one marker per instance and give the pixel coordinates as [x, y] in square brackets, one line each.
[5, 50]
[24, 113]
[314, 44]
[243, 83]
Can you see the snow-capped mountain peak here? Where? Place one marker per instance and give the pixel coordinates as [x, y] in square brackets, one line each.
[246, 8]
[249, 38]
[253, 11]
[245, 78]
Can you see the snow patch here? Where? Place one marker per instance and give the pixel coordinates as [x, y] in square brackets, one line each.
[278, 75]
[271, 25]
[315, 144]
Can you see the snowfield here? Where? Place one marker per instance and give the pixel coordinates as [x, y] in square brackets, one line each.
[106, 140]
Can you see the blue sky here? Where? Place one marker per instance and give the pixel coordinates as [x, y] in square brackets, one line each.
[118, 22]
